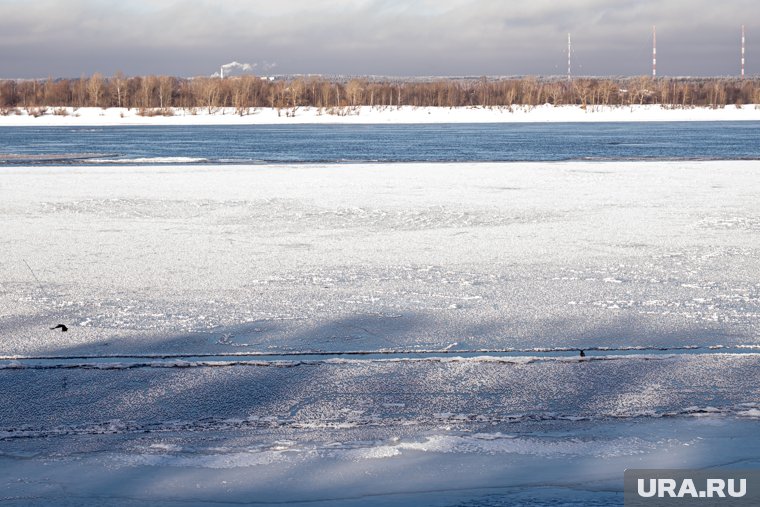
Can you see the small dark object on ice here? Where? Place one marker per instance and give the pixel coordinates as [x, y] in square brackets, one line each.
[62, 327]
[583, 354]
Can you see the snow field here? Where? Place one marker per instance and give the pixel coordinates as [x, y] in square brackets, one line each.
[90, 116]
[218, 261]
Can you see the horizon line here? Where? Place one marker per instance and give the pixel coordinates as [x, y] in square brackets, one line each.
[391, 77]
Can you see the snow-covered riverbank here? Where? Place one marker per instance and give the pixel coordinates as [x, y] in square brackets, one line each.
[358, 115]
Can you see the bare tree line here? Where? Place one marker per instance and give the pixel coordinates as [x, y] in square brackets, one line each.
[158, 94]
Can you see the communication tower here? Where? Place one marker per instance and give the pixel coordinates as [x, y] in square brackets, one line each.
[654, 52]
[742, 51]
[569, 52]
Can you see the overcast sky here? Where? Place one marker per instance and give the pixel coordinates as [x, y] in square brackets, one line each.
[67, 38]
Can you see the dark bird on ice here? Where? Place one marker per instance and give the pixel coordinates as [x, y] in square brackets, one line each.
[62, 327]
[583, 354]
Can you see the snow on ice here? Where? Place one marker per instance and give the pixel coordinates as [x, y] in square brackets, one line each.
[199, 300]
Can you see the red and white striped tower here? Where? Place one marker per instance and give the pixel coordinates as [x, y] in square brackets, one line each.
[742, 51]
[654, 52]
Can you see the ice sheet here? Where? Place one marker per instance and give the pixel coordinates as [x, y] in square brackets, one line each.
[652, 268]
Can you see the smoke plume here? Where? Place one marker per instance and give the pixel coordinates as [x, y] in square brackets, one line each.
[237, 65]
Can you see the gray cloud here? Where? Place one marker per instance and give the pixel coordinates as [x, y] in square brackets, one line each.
[423, 37]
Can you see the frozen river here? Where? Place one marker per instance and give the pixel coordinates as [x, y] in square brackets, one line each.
[215, 313]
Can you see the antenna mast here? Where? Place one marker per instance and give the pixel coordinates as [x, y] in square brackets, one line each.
[742, 51]
[654, 52]
[569, 52]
